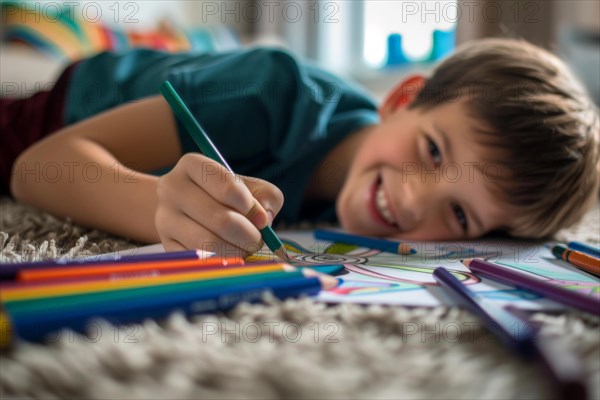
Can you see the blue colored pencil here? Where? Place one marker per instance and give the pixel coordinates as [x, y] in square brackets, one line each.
[585, 248]
[39, 326]
[9, 271]
[389, 246]
[510, 329]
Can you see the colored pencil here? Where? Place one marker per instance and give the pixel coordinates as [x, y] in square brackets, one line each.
[116, 268]
[84, 299]
[38, 326]
[389, 246]
[512, 277]
[53, 290]
[585, 248]
[8, 271]
[511, 330]
[578, 259]
[210, 150]
[151, 273]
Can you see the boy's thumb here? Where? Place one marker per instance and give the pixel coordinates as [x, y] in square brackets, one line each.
[258, 216]
[269, 200]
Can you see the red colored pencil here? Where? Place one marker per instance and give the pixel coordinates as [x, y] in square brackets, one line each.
[113, 268]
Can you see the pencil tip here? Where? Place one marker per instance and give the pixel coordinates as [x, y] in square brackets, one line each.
[282, 253]
[328, 282]
[406, 249]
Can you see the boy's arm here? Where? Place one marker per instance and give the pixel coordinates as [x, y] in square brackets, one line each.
[93, 171]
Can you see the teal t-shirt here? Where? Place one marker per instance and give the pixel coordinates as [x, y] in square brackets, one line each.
[270, 115]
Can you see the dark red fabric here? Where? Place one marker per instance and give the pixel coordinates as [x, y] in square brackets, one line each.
[24, 122]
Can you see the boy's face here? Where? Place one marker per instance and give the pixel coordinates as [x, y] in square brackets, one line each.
[420, 175]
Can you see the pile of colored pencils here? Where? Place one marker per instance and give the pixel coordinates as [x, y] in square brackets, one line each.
[39, 299]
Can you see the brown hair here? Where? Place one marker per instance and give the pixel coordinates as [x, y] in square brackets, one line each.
[541, 123]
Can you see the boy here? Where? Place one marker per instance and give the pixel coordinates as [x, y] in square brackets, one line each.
[500, 137]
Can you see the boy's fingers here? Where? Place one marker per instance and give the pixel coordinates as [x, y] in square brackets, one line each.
[220, 183]
[191, 235]
[208, 212]
[258, 200]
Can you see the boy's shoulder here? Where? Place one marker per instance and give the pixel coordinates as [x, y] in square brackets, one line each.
[275, 62]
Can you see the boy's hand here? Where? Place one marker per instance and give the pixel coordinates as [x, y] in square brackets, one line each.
[202, 205]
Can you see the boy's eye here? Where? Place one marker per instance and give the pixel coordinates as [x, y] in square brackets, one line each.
[434, 151]
[461, 217]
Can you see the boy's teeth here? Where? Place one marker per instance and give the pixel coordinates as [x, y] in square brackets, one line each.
[382, 205]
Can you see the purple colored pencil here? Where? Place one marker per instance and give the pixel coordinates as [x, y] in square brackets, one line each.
[510, 329]
[515, 278]
[10, 271]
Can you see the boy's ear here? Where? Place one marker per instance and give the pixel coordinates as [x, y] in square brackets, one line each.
[402, 94]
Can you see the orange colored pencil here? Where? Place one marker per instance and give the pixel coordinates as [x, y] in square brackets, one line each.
[578, 259]
[63, 289]
[108, 269]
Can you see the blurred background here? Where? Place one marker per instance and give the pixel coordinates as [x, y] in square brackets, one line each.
[374, 42]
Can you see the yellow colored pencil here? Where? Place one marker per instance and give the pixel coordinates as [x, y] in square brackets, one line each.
[63, 289]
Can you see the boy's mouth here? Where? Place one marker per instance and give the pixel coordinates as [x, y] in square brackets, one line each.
[379, 205]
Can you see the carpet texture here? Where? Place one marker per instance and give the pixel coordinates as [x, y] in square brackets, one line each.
[292, 349]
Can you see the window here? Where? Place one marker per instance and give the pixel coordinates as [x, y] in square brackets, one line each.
[403, 31]
[360, 38]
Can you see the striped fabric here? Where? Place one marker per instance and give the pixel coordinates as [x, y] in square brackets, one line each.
[60, 35]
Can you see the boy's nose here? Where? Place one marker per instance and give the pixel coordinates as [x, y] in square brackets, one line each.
[415, 202]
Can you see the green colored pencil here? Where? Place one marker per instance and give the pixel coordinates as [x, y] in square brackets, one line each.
[210, 150]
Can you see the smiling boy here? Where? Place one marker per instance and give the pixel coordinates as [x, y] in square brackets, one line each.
[516, 134]
[500, 137]
[397, 177]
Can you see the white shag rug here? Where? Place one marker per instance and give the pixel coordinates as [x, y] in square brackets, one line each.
[297, 349]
